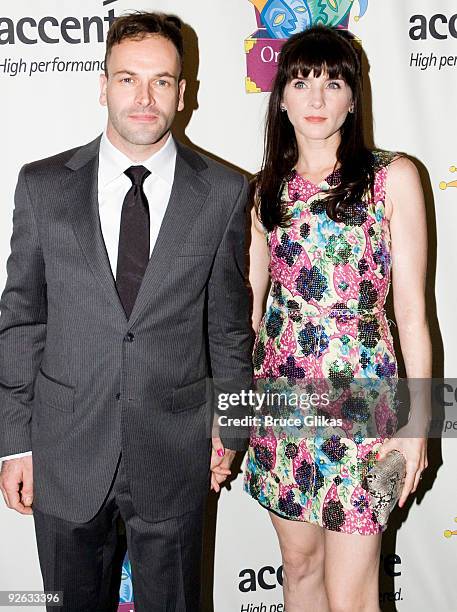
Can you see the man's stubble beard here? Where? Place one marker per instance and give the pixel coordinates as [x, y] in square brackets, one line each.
[141, 134]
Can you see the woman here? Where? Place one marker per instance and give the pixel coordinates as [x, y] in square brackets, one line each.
[331, 221]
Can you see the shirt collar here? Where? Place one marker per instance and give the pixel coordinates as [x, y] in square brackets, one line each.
[113, 163]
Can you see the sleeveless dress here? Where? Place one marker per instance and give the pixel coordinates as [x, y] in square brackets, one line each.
[325, 330]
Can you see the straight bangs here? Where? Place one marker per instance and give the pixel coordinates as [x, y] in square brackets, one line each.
[321, 55]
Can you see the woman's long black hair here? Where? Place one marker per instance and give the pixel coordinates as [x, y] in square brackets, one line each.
[322, 50]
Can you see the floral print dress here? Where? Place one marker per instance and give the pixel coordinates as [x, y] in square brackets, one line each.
[325, 325]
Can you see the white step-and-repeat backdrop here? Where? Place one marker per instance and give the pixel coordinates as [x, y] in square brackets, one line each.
[50, 57]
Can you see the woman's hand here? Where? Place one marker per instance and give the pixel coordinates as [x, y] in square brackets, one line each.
[414, 450]
[221, 460]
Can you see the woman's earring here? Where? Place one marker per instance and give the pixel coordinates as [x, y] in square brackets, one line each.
[282, 109]
[351, 109]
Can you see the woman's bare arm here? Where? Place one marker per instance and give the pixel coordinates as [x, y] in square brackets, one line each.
[408, 228]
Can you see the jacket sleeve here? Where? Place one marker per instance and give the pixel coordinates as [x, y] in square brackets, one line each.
[229, 328]
[23, 315]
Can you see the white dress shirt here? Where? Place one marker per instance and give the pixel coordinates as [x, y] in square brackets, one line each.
[113, 186]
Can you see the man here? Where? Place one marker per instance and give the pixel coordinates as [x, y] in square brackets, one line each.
[125, 290]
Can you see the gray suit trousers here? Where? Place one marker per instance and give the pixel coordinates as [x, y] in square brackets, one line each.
[84, 560]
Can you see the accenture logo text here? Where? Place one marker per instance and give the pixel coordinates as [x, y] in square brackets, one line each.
[439, 27]
[265, 578]
[49, 30]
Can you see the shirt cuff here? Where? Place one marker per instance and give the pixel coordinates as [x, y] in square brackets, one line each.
[18, 456]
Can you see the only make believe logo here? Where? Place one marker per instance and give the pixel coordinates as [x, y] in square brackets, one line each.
[126, 590]
[277, 20]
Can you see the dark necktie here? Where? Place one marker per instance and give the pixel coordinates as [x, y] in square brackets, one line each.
[133, 251]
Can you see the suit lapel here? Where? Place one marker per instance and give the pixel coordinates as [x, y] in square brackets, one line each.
[188, 194]
[81, 189]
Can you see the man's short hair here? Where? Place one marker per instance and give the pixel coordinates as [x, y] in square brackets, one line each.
[140, 24]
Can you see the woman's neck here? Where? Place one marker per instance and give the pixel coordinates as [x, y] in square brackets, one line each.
[317, 158]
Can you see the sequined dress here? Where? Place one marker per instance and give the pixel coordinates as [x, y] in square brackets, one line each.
[326, 325]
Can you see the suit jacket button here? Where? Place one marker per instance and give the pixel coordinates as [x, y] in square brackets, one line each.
[118, 396]
[129, 337]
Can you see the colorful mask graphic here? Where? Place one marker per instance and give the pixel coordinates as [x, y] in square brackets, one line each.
[283, 18]
[126, 590]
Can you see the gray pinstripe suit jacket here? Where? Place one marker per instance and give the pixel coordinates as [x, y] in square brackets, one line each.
[79, 383]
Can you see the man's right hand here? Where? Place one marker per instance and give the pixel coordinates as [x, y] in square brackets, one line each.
[16, 484]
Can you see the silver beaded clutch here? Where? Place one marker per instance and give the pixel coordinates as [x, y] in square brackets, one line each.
[385, 483]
